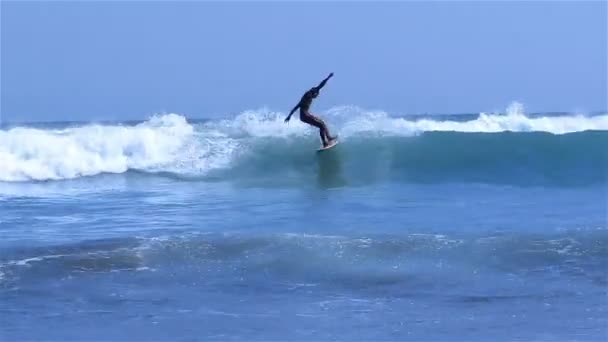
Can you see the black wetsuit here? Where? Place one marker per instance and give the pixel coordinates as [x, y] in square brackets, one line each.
[307, 117]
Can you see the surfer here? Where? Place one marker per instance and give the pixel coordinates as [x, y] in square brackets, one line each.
[307, 117]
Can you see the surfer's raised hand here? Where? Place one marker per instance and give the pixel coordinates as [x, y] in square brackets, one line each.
[322, 84]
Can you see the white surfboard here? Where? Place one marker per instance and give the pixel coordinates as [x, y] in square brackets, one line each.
[331, 144]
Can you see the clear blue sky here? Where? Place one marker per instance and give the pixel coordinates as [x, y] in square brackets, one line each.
[112, 60]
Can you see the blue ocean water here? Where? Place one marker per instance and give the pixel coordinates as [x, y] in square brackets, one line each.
[454, 227]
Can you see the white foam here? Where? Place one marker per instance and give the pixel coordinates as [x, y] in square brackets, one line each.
[168, 143]
[351, 121]
[260, 123]
[513, 120]
[163, 143]
[27, 261]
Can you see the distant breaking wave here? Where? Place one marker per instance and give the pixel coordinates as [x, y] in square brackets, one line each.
[256, 146]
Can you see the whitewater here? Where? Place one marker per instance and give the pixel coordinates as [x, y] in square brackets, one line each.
[172, 143]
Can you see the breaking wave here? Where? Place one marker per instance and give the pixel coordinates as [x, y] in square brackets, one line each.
[258, 146]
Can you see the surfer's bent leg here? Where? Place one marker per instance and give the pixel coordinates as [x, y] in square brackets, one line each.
[323, 131]
[313, 121]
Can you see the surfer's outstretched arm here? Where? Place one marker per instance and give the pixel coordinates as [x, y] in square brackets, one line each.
[322, 84]
[292, 111]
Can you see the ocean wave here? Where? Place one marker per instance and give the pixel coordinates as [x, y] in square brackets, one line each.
[163, 143]
[513, 120]
[255, 142]
[305, 257]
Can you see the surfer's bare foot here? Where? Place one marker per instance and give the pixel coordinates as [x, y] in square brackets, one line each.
[329, 142]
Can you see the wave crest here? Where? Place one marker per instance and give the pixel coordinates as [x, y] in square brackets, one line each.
[170, 144]
[41, 154]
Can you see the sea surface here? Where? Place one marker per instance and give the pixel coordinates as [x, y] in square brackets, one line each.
[488, 227]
